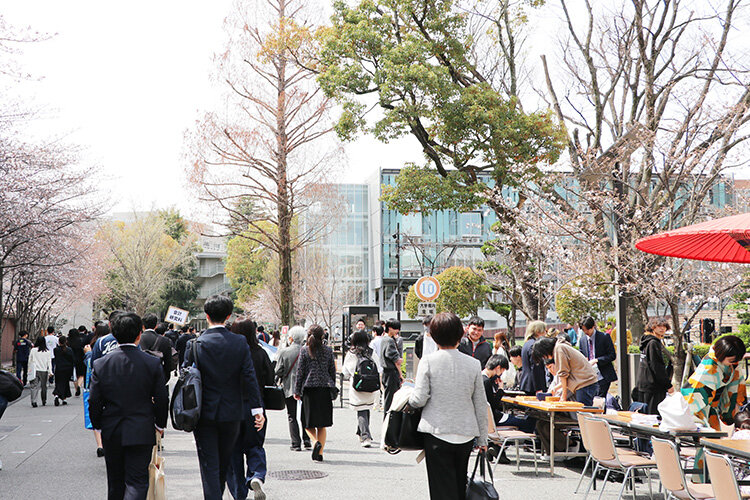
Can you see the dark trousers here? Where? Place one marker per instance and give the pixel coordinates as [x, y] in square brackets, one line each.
[127, 469]
[587, 394]
[363, 424]
[215, 442]
[22, 367]
[294, 426]
[652, 400]
[3, 405]
[249, 447]
[447, 466]
[391, 384]
[603, 388]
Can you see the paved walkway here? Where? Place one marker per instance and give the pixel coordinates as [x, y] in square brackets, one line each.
[46, 453]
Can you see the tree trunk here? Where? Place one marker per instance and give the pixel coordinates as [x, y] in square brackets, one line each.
[512, 324]
[678, 359]
[286, 300]
[636, 321]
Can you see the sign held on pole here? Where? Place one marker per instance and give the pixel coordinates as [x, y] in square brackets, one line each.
[427, 289]
[177, 315]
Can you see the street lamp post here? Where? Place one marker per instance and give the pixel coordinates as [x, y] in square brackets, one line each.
[397, 237]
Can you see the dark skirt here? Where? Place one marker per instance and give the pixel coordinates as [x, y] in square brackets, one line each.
[62, 382]
[317, 407]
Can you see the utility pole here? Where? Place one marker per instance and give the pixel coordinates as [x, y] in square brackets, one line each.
[397, 237]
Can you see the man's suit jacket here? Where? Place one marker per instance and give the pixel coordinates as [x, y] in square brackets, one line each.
[128, 396]
[533, 376]
[152, 341]
[604, 350]
[227, 374]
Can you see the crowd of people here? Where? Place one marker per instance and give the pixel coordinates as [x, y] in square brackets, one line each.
[124, 364]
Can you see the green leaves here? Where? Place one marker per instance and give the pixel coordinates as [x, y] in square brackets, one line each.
[462, 291]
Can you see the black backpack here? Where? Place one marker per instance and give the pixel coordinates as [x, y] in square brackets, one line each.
[10, 387]
[366, 377]
[185, 408]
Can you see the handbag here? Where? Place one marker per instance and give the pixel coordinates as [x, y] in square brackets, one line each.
[401, 431]
[157, 484]
[10, 387]
[334, 392]
[480, 488]
[273, 398]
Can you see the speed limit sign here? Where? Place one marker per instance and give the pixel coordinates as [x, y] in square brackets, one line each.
[427, 289]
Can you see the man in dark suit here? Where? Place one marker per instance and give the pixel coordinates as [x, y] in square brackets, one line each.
[600, 351]
[228, 378]
[156, 342]
[128, 403]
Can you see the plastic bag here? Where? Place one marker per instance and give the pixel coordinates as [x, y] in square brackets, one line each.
[675, 414]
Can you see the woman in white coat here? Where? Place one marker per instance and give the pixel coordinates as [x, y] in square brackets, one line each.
[40, 368]
[361, 401]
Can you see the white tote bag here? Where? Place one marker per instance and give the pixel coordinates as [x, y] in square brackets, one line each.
[157, 484]
[675, 414]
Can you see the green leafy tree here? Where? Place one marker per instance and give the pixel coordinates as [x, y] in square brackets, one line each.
[181, 288]
[246, 262]
[418, 59]
[462, 291]
[590, 295]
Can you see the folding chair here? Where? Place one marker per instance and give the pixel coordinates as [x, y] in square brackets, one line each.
[510, 434]
[673, 477]
[608, 457]
[723, 480]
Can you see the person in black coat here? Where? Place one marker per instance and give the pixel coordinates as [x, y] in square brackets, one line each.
[229, 385]
[181, 345]
[63, 371]
[600, 351]
[532, 378]
[128, 402]
[654, 373]
[249, 446]
[75, 342]
[474, 343]
[156, 342]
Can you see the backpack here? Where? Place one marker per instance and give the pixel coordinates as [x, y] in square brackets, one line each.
[10, 387]
[185, 407]
[366, 377]
[152, 349]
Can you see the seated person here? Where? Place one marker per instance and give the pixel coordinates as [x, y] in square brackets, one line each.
[514, 353]
[493, 388]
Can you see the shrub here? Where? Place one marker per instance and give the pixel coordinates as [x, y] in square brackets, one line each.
[743, 334]
[634, 349]
[701, 350]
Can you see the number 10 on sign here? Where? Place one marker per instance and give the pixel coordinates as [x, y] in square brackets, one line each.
[427, 289]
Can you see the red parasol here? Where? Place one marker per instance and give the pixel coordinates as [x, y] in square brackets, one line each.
[720, 240]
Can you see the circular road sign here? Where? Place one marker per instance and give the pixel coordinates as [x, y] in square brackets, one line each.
[427, 289]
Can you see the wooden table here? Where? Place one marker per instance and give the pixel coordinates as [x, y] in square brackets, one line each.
[734, 447]
[548, 410]
[647, 431]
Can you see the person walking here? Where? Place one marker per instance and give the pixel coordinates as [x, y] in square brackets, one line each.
[64, 365]
[533, 378]
[316, 376]
[105, 343]
[181, 345]
[249, 446]
[286, 364]
[128, 403]
[76, 344]
[52, 342]
[40, 367]
[156, 344]
[654, 371]
[228, 384]
[360, 401]
[21, 350]
[450, 391]
[600, 351]
[391, 357]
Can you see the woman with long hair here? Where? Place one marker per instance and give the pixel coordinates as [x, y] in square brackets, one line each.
[40, 368]
[249, 445]
[361, 401]
[316, 376]
[64, 365]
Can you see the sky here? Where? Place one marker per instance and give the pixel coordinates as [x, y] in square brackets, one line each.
[124, 81]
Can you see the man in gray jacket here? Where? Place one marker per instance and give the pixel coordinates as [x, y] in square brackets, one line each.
[286, 371]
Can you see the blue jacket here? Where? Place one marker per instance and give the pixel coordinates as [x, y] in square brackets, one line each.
[227, 374]
[533, 377]
[103, 346]
[604, 350]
